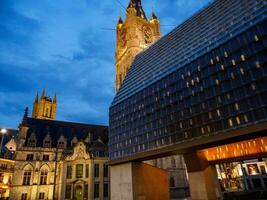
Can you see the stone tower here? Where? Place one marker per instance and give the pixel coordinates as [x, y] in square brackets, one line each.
[133, 35]
[45, 107]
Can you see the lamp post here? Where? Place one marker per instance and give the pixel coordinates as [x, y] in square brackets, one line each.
[3, 132]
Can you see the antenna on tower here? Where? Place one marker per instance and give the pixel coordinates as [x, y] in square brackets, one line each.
[118, 1]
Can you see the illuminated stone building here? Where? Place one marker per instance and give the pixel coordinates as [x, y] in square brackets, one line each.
[134, 35]
[57, 159]
[201, 88]
[6, 173]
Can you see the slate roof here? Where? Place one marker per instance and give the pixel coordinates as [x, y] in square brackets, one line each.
[69, 130]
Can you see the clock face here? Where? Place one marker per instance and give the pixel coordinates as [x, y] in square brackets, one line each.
[123, 37]
[147, 34]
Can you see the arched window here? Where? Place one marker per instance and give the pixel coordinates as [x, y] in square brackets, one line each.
[172, 182]
[47, 141]
[27, 174]
[32, 140]
[44, 175]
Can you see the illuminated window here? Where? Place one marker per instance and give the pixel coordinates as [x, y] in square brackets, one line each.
[197, 79]
[246, 118]
[182, 76]
[253, 86]
[225, 54]
[230, 121]
[238, 120]
[217, 82]
[258, 64]
[211, 61]
[191, 122]
[218, 113]
[243, 58]
[208, 128]
[202, 130]
[217, 58]
[185, 135]
[256, 38]
[187, 84]
[192, 82]
[222, 67]
[236, 106]
[189, 74]
[198, 68]
[233, 62]
[242, 71]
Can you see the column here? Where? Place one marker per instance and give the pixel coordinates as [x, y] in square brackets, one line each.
[202, 178]
[138, 181]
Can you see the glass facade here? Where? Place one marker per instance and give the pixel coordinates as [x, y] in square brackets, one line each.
[218, 84]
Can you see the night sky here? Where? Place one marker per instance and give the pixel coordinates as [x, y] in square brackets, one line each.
[63, 46]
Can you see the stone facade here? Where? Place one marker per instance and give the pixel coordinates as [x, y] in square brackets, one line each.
[59, 160]
[45, 107]
[133, 35]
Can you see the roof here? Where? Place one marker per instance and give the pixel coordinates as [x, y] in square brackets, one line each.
[207, 29]
[69, 130]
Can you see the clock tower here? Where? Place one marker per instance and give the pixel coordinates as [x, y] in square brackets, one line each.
[133, 35]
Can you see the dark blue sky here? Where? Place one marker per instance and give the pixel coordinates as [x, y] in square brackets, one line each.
[61, 45]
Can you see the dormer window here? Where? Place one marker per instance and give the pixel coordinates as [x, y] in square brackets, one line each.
[47, 141]
[61, 145]
[32, 140]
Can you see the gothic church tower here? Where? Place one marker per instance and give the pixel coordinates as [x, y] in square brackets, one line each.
[133, 35]
[44, 108]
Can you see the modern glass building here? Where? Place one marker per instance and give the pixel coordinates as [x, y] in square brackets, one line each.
[206, 77]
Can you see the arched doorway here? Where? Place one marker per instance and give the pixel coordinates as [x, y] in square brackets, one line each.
[78, 192]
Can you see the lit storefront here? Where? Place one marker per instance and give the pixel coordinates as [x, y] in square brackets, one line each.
[244, 175]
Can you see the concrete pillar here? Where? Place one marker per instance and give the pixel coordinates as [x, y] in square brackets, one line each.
[138, 181]
[202, 178]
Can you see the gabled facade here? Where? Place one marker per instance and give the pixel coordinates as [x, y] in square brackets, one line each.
[59, 160]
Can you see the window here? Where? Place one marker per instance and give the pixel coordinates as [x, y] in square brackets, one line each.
[41, 195]
[46, 157]
[96, 170]
[105, 190]
[61, 144]
[69, 172]
[47, 143]
[172, 182]
[243, 58]
[96, 190]
[105, 170]
[79, 171]
[27, 178]
[256, 38]
[87, 171]
[43, 177]
[258, 64]
[31, 142]
[230, 121]
[68, 191]
[29, 157]
[233, 62]
[24, 196]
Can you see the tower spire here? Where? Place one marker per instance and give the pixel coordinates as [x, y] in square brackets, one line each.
[55, 98]
[25, 116]
[137, 4]
[37, 97]
[43, 93]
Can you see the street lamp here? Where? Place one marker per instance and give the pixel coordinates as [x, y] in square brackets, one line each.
[3, 132]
